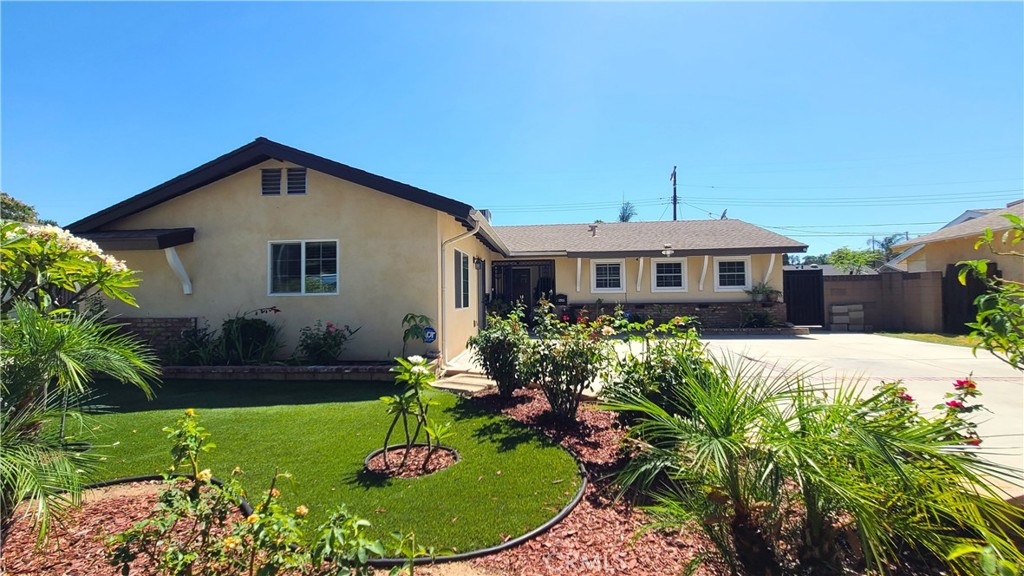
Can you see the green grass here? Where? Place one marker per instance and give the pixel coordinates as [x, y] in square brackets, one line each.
[509, 481]
[948, 339]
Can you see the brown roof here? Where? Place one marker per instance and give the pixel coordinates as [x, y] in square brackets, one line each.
[646, 238]
[969, 229]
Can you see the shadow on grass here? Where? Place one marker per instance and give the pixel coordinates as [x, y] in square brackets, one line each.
[367, 479]
[505, 433]
[181, 394]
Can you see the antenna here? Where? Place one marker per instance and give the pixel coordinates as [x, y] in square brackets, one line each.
[722, 217]
[675, 198]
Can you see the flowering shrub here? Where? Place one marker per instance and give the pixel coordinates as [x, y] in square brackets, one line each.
[51, 268]
[567, 358]
[412, 404]
[959, 403]
[196, 527]
[499, 348]
[322, 344]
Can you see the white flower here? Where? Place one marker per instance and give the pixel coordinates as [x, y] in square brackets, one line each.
[607, 330]
[416, 359]
[419, 369]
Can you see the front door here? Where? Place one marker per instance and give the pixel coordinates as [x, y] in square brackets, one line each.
[522, 288]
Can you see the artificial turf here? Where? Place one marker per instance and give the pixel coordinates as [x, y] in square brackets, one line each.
[509, 480]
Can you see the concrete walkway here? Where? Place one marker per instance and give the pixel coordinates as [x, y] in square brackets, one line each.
[927, 370]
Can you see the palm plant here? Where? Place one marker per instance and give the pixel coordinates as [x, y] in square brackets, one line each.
[49, 361]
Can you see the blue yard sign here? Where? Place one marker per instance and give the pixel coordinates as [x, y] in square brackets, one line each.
[429, 335]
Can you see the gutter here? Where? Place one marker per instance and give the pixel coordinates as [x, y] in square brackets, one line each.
[477, 219]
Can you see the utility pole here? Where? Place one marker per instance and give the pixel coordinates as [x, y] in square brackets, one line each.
[675, 198]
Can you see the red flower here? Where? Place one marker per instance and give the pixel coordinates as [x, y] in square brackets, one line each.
[906, 397]
[565, 317]
[966, 384]
[955, 404]
[973, 441]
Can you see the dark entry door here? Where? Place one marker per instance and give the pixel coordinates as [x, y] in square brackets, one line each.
[522, 287]
[804, 291]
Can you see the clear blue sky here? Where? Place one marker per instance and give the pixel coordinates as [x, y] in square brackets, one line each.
[829, 122]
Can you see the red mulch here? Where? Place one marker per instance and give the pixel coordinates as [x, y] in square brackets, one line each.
[413, 468]
[76, 547]
[599, 535]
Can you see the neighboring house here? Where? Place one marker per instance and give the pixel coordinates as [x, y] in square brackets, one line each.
[269, 225]
[955, 243]
[830, 270]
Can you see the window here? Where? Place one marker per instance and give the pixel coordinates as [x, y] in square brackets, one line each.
[732, 274]
[304, 267]
[461, 280]
[295, 179]
[668, 275]
[607, 275]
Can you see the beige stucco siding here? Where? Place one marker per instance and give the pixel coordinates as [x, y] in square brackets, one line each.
[936, 256]
[387, 257]
[462, 322]
[565, 281]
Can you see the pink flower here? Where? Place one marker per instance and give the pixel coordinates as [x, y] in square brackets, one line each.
[955, 404]
[906, 397]
[966, 384]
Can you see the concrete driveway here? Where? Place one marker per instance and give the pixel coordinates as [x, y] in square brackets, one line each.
[927, 370]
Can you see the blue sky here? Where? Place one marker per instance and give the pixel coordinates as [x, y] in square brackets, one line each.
[829, 123]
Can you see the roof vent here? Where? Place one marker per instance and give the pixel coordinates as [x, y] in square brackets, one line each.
[593, 229]
[486, 214]
[1014, 203]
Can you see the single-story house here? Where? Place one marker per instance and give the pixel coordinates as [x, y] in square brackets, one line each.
[268, 225]
[955, 243]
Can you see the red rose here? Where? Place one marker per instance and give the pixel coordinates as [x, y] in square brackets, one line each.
[974, 441]
[906, 397]
[955, 404]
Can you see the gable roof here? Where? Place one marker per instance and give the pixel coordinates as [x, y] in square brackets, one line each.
[968, 229]
[725, 237]
[255, 153]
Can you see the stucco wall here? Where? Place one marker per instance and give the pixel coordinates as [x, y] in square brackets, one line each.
[565, 282]
[462, 322]
[895, 302]
[937, 255]
[387, 257]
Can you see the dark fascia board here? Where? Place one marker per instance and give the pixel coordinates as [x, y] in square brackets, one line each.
[152, 239]
[250, 155]
[682, 253]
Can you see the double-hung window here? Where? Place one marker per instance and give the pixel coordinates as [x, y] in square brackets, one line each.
[461, 280]
[303, 267]
[607, 275]
[294, 180]
[668, 274]
[732, 274]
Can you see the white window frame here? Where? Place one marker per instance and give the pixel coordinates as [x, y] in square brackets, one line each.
[463, 278]
[270, 267]
[746, 268]
[622, 276]
[654, 274]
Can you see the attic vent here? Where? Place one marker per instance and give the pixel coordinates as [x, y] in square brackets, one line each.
[271, 182]
[296, 180]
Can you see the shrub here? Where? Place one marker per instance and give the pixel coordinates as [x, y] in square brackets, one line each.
[753, 317]
[873, 469]
[415, 328]
[499, 348]
[199, 346]
[196, 527]
[567, 358]
[250, 340]
[323, 344]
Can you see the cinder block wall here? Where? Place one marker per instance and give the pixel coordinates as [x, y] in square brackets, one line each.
[909, 302]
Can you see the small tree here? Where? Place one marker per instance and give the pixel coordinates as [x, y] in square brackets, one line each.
[1000, 318]
[627, 212]
[853, 261]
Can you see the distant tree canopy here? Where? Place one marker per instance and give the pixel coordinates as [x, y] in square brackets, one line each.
[819, 259]
[854, 261]
[885, 244]
[15, 210]
[627, 212]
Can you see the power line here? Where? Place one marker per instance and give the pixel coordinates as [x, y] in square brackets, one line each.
[849, 187]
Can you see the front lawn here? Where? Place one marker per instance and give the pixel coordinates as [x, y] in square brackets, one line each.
[948, 339]
[509, 481]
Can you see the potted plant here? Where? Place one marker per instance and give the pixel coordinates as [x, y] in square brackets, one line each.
[762, 292]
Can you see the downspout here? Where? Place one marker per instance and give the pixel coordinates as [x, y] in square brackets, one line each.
[475, 217]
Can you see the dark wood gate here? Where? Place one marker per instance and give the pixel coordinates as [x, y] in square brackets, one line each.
[958, 300]
[804, 291]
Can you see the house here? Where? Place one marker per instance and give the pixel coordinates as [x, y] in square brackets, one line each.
[268, 225]
[955, 242]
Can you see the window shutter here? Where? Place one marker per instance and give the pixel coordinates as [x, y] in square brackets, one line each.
[296, 180]
[271, 181]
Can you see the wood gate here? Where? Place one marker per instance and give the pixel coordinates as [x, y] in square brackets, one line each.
[804, 291]
[958, 300]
